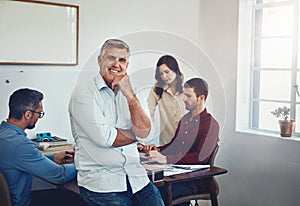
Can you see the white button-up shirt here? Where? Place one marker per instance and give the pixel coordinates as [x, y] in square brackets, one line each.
[95, 113]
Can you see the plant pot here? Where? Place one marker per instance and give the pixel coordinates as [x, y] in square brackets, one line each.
[286, 127]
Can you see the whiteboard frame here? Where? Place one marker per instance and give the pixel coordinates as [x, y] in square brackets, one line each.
[38, 33]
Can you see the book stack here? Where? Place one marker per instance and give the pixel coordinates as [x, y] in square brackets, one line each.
[57, 144]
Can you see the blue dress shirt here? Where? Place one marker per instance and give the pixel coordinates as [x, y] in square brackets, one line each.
[20, 160]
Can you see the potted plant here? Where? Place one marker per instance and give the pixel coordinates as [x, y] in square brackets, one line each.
[286, 126]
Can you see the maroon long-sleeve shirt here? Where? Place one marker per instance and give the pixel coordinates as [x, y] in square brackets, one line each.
[194, 140]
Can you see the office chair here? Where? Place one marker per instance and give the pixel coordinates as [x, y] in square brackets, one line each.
[207, 195]
[4, 192]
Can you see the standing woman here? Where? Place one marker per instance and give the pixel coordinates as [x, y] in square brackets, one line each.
[167, 95]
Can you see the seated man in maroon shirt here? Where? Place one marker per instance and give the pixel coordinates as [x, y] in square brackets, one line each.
[196, 137]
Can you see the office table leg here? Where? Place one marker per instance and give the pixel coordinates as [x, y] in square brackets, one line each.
[213, 195]
[169, 195]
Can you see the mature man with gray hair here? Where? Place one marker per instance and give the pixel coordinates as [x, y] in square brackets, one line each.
[107, 120]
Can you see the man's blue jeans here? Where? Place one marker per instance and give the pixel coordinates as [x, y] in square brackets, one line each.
[148, 196]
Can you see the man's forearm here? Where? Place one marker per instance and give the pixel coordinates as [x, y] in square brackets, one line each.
[141, 123]
[124, 137]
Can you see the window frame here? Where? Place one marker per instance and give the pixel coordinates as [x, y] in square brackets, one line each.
[247, 71]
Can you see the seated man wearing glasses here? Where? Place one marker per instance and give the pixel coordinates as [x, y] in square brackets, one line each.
[19, 157]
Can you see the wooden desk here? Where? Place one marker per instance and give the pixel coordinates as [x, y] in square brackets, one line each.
[54, 147]
[168, 181]
[196, 175]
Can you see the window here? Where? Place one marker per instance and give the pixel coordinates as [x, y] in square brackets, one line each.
[268, 62]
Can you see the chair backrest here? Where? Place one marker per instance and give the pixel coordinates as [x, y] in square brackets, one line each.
[4, 192]
[206, 195]
[212, 158]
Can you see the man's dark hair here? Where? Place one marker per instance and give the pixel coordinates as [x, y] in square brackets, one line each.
[200, 86]
[22, 100]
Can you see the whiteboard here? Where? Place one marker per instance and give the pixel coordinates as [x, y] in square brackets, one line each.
[34, 32]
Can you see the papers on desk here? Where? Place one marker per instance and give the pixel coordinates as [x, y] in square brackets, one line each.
[171, 169]
[178, 169]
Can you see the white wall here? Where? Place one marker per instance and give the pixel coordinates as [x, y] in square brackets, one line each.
[98, 21]
[262, 170]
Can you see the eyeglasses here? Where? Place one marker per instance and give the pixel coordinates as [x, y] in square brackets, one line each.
[40, 113]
